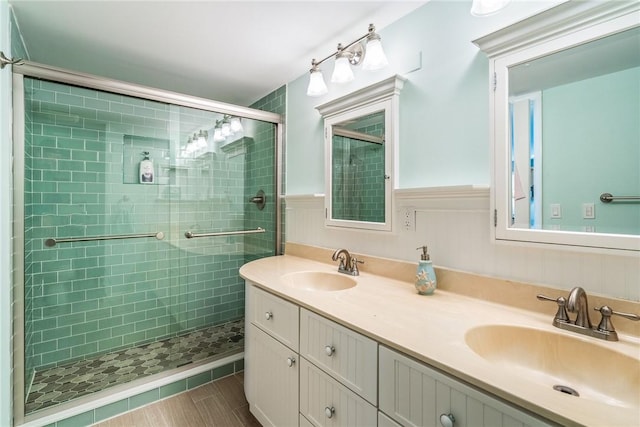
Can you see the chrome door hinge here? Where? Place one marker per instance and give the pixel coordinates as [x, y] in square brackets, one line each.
[495, 81]
[495, 217]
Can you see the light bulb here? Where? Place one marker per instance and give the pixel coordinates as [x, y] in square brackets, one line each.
[236, 126]
[317, 86]
[217, 135]
[342, 72]
[487, 7]
[374, 58]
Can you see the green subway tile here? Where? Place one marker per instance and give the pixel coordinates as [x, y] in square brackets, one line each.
[121, 108]
[134, 318]
[83, 306]
[145, 325]
[222, 371]
[110, 322]
[54, 87]
[56, 310]
[239, 365]
[84, 327]
[88, 134]
[85, 177]
[45, 347]
[56, 153]
[84, 350]
[122, 330]
[55, 356]
[102, 313]
[110, 344]
[110, 96]
[144, 398]
[100, 335]
[71, 165]
[52, 130]
[56, 176]
[111, 410]
[81, 420]
[123, 309]
[65, 99]
[97, 104]
[198, 380]
[70, 144]
[173, 388]
[72, 341]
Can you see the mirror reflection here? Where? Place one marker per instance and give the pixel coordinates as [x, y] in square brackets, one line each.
[574, 129]
[358, 169]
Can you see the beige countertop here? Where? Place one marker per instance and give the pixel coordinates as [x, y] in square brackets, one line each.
[432, 329]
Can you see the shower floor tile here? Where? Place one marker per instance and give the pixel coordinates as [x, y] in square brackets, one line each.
[63, 383]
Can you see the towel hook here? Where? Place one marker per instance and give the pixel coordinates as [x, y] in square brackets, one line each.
[6, 61]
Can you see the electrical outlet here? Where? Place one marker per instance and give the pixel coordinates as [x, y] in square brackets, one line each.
[408, 219]
[556, 210]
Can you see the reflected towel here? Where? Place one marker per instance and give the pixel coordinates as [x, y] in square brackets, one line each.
[518, 191]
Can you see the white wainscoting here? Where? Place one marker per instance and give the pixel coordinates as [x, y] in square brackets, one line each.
[455, 223]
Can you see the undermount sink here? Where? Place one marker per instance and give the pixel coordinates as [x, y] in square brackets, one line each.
[319, 281]
[562, 362]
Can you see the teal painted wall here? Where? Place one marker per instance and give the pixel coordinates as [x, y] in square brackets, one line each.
[592, 122]
[444, 115]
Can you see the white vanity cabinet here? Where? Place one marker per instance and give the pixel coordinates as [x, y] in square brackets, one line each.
[271, 362]
[413, 394]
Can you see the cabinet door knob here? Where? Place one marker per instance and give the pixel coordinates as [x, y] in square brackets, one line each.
[447, 420]
[268, 315]
[329, 411]
[291, 361]
[329, 350]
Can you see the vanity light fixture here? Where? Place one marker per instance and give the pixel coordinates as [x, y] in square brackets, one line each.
[370, 54]
[226, 127]
[487, 7]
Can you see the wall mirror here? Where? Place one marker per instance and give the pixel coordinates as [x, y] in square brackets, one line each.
[566, 134]
[360, 133]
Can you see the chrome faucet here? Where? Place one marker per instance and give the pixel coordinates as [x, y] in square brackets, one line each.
[577, 303]
[348, 264]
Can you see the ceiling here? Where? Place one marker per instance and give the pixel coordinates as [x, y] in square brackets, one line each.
[229, 51]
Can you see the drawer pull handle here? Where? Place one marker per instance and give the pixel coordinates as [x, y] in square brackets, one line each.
[329, 411]
[291, 361]
[268, 315]
[447, 420]
[329, 350]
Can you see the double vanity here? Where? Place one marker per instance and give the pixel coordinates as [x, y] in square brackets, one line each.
[329, 349]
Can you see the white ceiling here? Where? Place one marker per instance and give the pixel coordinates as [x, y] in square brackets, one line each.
[229, 51]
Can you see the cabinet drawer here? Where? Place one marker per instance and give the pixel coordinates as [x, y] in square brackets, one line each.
[274, 315]
[326, 402]
[414, 394]
[346, 355]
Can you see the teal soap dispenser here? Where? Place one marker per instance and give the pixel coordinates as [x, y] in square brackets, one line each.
[425, 276]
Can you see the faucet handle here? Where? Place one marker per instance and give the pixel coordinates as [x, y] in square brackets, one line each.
[605, 325]
[354, 265]
[561, 315]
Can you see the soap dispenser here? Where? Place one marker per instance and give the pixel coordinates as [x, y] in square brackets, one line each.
[425, 276]
[146, 169]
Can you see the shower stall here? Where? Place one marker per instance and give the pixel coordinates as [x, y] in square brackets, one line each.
[134, 209]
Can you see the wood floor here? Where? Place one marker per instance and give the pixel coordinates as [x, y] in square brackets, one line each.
[218, 404]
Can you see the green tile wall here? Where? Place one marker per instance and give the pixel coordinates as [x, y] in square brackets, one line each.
[261, 175]
[82, 151]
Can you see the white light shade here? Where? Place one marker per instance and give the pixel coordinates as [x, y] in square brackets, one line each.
[317, 86]
[226, 129]
[374, 58]
[236, 126]
[487, 7]
[217, 135]
[342, 72]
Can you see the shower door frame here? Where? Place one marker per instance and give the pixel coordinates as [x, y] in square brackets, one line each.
[59, 75]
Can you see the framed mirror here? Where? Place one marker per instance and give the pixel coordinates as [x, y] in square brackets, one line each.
[565, 127]
[360, 139]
